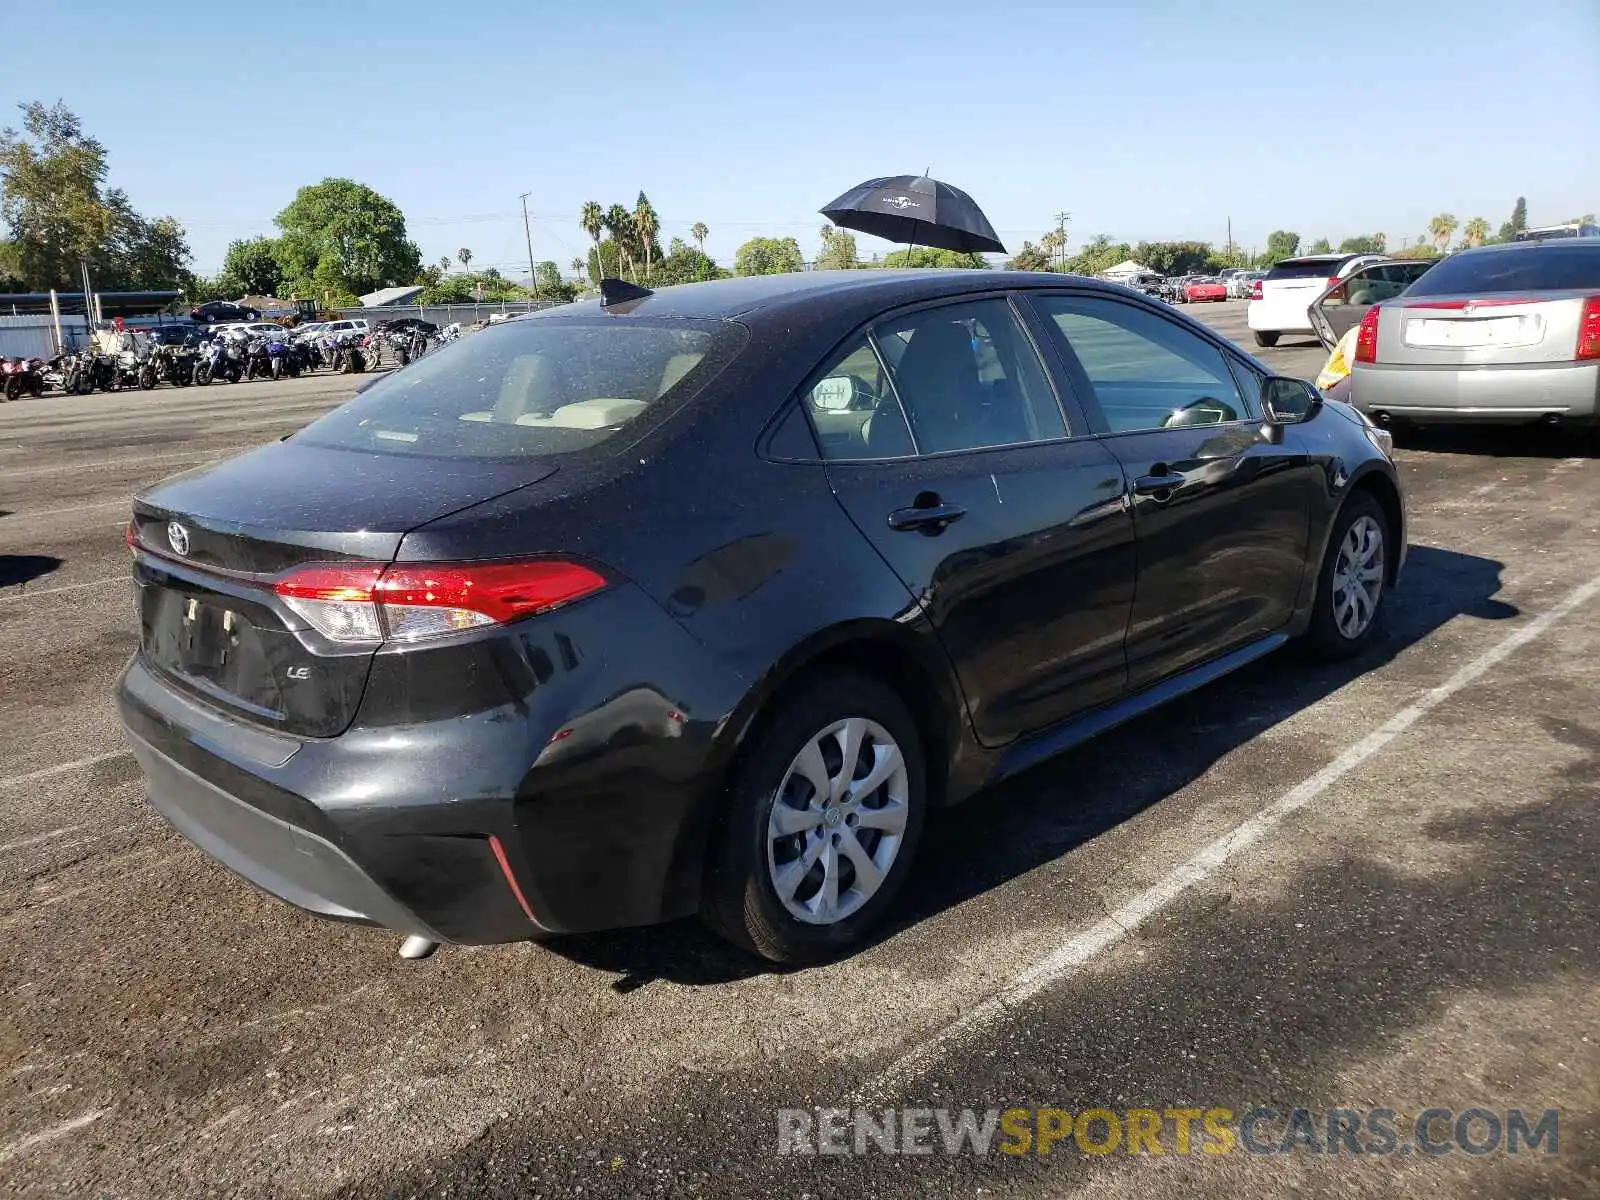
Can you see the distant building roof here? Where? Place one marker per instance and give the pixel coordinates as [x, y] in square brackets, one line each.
[387, 296]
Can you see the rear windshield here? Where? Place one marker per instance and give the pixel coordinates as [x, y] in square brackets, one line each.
[531, 388]
[1543, 268]
[1323, 268]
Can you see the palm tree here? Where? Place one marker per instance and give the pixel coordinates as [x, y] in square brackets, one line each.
[699, 233]
[444, 264]
[1442, 228]
[465, 256]
[1476, 231]
[619, 224]
[593, 222]
[578, 267]
[646, 224]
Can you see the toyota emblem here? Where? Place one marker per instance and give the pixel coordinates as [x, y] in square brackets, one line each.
[178, 536]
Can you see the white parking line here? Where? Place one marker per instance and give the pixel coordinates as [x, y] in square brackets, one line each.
[62, 768]
[34, 1140]
[1079, 949]
[27, 592]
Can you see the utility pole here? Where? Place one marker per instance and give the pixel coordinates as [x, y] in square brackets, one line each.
[1230, 241]
[1061, 227]
[527, 232]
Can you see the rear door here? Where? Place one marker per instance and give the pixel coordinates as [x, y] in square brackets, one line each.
[1221, 508]
[950, 450]
[1340, 309]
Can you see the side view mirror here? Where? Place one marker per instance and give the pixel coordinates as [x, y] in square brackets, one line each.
[1288, 401]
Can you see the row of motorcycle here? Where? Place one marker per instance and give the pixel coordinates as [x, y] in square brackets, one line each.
[205, 357]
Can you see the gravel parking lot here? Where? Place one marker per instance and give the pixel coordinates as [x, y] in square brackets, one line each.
[1404, 918]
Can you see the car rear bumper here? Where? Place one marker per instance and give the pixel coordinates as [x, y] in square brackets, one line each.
[1276, 316]
[580, 805]
[1562, 392]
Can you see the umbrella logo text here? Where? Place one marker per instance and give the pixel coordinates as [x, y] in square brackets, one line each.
[900, 202]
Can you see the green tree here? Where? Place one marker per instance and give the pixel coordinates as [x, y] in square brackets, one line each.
[577, 266]
[685, 264]
[605, 260]
[592, 220]
[464, 257]
[1281, 244]
[342, 236]
[838, 250]
[1095, 255]
[619, 224]
[768, 256]
[252, 268]
[1030, 258]
[1518, 222]
[1054, 244]
[1172, 258]
[444, 265]
[930, 256]
[1475, 232]
[58, 214]
[1441, 229]
[551, 285]
[646, 224]
[699, 233]
[1320, 246]
[1362, 244]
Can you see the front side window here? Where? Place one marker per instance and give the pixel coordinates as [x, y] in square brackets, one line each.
[531, 388]
[968, 377]
[1147, 371]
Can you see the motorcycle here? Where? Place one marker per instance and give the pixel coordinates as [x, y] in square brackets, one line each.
[345, 355]
[257, 363]
[175, 364]
[281, 357]
[23, 375]
[219, 359]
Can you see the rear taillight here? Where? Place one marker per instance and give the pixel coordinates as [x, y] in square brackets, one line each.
[1589, 329]
[408, 602]
[1255, 290]
[1333, 281]
[1367, 337]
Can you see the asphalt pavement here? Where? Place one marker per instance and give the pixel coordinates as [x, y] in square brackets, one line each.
[1364, 887]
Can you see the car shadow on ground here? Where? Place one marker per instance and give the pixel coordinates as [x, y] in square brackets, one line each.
[18, 569]
[1054, 808]
[1500, 441]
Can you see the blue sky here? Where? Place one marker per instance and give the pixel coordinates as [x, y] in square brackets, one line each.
[1144, 119]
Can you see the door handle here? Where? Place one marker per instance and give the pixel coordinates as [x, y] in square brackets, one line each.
[929, 520]
[1155, 484]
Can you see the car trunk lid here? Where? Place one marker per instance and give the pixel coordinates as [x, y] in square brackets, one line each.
[1503, 329]
[210, 544]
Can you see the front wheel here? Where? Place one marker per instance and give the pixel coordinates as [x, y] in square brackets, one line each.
[1347, 611]
[202, 374]
[277, 368]
[1267, 339]
[821, 823]
[13, 387]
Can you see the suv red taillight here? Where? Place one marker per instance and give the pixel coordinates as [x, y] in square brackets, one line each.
[407, 602]
[1367, 337]
[1255, 290]
[1589, 329]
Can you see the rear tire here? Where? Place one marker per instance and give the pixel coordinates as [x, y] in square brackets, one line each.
[1267, 339]
[1348, 609]
[833, 830]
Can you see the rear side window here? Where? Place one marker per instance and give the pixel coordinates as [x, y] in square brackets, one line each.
[532, 388]
[1542, 268]
[1292, 268]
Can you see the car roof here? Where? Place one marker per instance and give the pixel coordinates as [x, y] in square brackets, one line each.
[769, 294]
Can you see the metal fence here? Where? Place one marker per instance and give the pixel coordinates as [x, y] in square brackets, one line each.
[35, 336]
[444, 314]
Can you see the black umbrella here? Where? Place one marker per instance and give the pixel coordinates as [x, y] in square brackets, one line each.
[916, 210]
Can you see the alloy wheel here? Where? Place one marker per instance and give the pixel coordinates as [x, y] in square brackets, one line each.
[1358, 578]
[837, 821]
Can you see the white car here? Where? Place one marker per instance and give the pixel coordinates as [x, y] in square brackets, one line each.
[346, 325]
[250, 329]
[1280, 302]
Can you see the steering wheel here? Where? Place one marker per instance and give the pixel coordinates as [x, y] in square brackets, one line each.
[1207, 410]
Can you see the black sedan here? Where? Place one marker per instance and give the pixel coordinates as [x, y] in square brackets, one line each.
[700, 602]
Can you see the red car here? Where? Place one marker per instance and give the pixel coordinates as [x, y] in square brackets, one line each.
[1204, 289]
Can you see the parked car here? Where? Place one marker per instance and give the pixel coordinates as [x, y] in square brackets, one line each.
[1280, 300]
[485, 654]
[213, 311]
[1242, 284]
[1203, 288]
[1569, 229]
[1501, 334]
[406, 323]
[170, 335]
